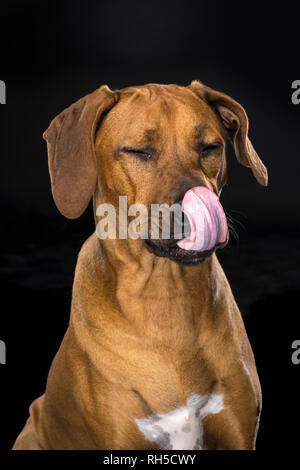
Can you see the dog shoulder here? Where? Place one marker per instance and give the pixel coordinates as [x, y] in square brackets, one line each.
[91, 258]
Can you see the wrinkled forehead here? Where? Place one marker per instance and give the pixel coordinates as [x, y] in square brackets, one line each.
[148, 112]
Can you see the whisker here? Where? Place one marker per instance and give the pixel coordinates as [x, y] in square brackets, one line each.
[233, 224]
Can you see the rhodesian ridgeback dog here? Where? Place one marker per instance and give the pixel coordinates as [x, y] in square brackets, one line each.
[156, 355]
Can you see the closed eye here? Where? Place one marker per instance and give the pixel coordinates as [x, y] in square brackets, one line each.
[145, 154]
[207, 149]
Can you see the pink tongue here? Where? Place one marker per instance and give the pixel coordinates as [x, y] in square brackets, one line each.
[207, 220]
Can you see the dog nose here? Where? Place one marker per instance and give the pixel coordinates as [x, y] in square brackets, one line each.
[181, 223]
[186, 226]
[179, 199]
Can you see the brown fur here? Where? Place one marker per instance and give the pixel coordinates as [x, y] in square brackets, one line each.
[145, 333]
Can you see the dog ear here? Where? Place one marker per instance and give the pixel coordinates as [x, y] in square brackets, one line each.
[71, 152]
[235, 119]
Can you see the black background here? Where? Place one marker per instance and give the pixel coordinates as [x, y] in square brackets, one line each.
[52, 53]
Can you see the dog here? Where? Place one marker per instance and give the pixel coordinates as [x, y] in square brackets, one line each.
[156, 355]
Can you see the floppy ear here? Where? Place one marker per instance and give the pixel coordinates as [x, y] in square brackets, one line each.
[71, 153]
[235, 119]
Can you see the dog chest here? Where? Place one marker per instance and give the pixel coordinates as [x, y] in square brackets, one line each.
[182, 428]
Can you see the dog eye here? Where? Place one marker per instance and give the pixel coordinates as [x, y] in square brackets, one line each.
[144, 154]
[206, 150]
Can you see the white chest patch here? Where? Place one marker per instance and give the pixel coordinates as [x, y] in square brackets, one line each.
[182, 428]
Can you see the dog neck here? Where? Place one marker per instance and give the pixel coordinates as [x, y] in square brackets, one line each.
[153, 296]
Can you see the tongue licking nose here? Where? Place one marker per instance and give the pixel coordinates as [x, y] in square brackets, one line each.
[207, 220]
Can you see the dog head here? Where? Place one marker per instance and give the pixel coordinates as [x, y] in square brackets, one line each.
[155, 144]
